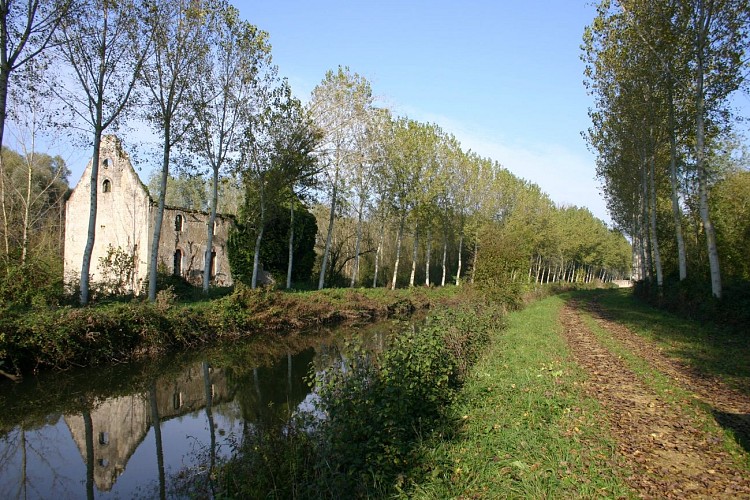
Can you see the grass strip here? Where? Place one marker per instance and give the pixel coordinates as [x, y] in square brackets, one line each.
[703, 346]
[527, 429]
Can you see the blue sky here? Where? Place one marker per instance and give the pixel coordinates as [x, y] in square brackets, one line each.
[504, 77]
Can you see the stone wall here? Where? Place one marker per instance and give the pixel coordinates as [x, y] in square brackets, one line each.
[182, 245]
[122, 216]
[125, 219]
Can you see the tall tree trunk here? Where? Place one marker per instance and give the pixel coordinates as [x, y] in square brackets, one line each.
[211, 428]
[355, 271]
[88, 429]
[379, 254]
[654, 237]
[156, 422]
[159, 219]
[259, 238]
[398, 251]
[27, 207]
[91, 234]
[676, 211]
[329, 237]
[460, 252]
[445, 259]
[644, 225]
[700, 163]
[3, 116]
[210, 231]
[474, 259]
[414, 254]
[427, 259]
[291, 245]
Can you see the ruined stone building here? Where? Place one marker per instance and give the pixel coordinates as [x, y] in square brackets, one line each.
[125, 219]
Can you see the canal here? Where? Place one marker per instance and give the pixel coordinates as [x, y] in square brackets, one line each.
[136, 430]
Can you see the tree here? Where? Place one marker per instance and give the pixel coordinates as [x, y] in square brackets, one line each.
[277, 152]
[104, 46]
[170, 74]
[238, 53]
[339, 108]
[26, 30]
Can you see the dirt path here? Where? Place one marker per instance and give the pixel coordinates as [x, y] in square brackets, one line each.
[664, 446]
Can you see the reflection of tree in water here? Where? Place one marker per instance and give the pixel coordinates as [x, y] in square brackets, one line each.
[269, 395]
[29, 451]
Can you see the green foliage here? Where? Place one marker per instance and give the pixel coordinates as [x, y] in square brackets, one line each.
[274, 252]
[118, 270]
[378, 410]
[731, 214]
[37, 283]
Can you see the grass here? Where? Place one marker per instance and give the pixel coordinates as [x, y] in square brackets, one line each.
[527, 429]
[709, 348]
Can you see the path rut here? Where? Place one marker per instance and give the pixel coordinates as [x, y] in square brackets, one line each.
[663, 446]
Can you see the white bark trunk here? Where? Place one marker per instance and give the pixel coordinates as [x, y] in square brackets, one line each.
[329, 237]
[210, 232]
[700, 164]
[159, 219]
[379, 254]
[398, 252]
[460, 252]
[427, 259]
[355, 271]
[654, 237]
[676, 211]
[290, 267]
[91, 234]
[445, 260]
[414, 253]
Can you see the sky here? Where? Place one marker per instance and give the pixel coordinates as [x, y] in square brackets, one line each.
[505, 77]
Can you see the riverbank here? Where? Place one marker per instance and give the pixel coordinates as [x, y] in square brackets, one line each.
[60, 338]
[566, 401]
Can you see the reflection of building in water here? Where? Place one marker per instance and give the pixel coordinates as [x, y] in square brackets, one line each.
[120, 424]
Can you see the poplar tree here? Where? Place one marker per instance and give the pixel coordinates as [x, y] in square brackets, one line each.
[27, 28]
[238, 53]
[179, 28]
[339, 107]
[104, 45]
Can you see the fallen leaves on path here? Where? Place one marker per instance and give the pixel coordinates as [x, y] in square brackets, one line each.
[667, 450]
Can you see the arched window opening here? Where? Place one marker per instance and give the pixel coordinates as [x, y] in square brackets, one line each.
[213, 264]
[106, 162]
[178, 223]
[106, 186]
[178, 262]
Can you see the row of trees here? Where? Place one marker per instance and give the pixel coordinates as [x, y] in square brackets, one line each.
[391, 185]
[203, 79]
[663, 73]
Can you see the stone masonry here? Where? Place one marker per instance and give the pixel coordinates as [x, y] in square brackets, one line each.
[125, 220]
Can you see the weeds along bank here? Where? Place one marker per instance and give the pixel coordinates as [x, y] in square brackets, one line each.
[378, 413]
[41, 338]
[459, 408]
